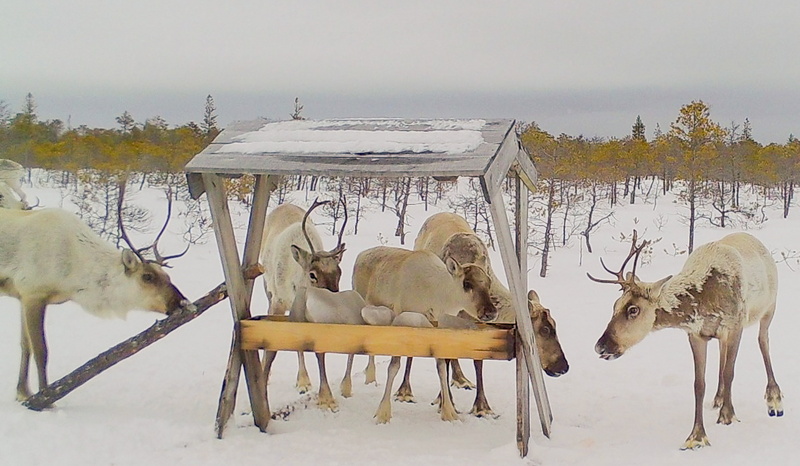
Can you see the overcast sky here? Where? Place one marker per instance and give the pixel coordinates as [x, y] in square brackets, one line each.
[578, 67]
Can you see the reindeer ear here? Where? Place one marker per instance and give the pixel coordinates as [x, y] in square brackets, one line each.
[301, 256]
[655, 288]
[339, 252]
[130, 261]
[532, 296]
[453, 267]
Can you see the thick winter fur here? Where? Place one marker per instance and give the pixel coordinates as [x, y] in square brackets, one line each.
[448, 235]
[11, 194]
[50, 256]
[289, 266]
[417, 281]
[723, 287]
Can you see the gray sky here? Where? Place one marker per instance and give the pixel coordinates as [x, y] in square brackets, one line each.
[579, 67]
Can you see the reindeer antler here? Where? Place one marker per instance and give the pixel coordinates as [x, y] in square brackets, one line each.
[305, 217]
[343, 200]
[634, 253]
[120, 198]
[159, 259]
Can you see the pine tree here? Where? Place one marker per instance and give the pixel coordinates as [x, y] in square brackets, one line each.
[209, 125]
[297, 110]
[29, 108]
[126, 122]
[638, 130]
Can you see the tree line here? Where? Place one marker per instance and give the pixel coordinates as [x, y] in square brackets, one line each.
[715, 171]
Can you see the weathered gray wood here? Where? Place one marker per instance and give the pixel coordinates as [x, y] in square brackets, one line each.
[474, 163]
[523, 401]
[239, 298]
[499, 166]
[523, 376]
[525, 168]
[518, 292]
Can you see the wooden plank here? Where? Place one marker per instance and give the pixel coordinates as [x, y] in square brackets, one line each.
[518, 292]
[377, 340]
[237, 292]
[523, 402]
[523, 376]
[215, 159]
[497, 169]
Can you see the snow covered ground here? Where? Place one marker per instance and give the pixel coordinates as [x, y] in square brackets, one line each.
[158, 407]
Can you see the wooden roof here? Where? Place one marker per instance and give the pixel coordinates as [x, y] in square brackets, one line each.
[364, 148]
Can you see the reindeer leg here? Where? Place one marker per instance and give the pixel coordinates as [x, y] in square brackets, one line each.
[481, 408]
[33, 315]
[459, 379]
[723, 354]
[369, 371]
[698, 439]
[384, 412]
[448, 410]
[773, 394]
[325, 399]
[404, 393]
[23, 391]
[303, 381]
[266, 365]
[346, 387]
[731, 341]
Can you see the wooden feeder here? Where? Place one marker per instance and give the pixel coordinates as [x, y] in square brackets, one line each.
[442, 149]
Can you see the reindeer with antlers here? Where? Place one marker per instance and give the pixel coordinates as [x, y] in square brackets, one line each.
[288, 267]
[724, 286]
[50, 256]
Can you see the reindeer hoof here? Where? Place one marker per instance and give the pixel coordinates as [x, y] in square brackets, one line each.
[695, 444]
[484, 413]
[465, 384]
[775, 412]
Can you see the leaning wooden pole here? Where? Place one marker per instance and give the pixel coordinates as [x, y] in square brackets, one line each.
[62, 387]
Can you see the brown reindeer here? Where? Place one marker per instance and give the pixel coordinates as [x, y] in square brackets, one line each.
[419, 282]
[724, 286]
[289, 267]
[448, 235]
[50, 256]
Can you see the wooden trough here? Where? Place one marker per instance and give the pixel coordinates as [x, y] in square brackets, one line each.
[377, 148]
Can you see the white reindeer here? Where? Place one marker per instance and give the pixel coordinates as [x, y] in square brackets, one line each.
[724, 286]
[419, 282]
[50, 256]
[289, 267]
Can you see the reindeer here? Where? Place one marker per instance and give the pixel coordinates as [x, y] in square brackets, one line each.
[289, 267]
[449, 235]
[418, 281]
[724, 286]
[50, 256]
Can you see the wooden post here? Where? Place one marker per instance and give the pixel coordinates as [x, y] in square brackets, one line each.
[523, 384]
[239, 292]
[530, 353]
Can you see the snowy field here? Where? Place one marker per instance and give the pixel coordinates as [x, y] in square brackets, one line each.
[158, 407]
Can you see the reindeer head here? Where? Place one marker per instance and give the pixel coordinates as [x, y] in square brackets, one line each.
[634, 312]
[554, 363]
[476, 283]
[148, 277]
[321, 267]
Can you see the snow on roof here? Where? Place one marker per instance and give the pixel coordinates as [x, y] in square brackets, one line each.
[360, 136]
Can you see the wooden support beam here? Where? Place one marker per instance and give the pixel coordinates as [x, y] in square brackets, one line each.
[239, 296]
[523, 376]
[119, 352]
[524, 327]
